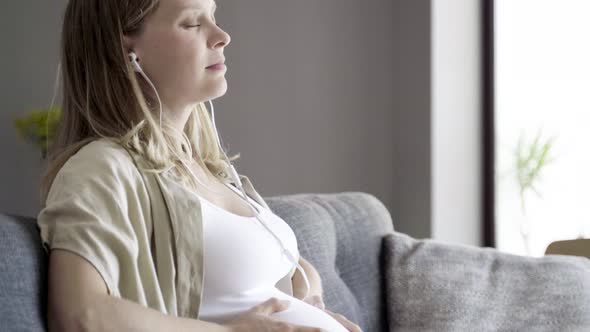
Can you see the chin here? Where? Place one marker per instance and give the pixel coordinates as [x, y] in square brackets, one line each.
[218, 91]
[211, 96]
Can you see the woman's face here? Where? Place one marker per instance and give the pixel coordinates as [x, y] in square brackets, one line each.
[179, 41]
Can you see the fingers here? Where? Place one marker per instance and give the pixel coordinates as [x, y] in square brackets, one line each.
[352, 327]
[274, 305]
[315, 300]
[284, 326]
[310, 329]
[270, 306]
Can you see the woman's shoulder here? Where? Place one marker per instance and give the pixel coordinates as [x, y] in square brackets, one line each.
[102, 163]
[101, 156]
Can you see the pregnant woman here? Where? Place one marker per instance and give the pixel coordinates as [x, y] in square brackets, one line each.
[148, 225]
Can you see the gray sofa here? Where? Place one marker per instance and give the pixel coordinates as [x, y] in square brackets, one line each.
[382, 279]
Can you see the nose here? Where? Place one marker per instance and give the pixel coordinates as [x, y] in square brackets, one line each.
[220, 38]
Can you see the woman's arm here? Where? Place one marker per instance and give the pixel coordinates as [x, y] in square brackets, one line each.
[78, 301]
[313, 277]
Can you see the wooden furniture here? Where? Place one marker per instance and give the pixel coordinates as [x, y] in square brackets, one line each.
[578, 247]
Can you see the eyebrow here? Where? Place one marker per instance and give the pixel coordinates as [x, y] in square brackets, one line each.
[185, 8]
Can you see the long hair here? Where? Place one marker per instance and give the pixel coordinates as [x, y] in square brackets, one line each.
[103, 97]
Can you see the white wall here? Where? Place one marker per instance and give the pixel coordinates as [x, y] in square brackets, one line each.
[456, 121]
[29, 31]
[309, 103]
[323, 96]
[410, 143]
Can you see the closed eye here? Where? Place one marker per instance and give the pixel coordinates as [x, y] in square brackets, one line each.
[198, 25]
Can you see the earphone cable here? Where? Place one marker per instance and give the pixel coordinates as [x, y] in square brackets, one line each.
[236, 178]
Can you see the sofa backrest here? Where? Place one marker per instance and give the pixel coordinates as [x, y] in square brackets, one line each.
[339, 233]
[23, 275]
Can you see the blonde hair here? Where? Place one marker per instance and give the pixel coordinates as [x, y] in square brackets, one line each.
[102, 97]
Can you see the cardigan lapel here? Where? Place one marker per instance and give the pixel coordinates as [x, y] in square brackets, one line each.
[184, 217]
[176, 218]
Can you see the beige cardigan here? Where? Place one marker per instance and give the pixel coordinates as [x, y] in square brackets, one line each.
[140, 230]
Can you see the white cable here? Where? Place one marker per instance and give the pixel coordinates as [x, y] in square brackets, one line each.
[157, 95]
[234, 174]
[138, 69]
[236, 178]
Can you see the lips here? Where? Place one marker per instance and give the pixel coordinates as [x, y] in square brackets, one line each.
[220, 62]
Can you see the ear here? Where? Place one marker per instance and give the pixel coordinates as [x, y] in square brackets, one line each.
[129, 44]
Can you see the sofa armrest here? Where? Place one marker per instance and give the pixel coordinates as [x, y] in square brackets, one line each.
[437, 286]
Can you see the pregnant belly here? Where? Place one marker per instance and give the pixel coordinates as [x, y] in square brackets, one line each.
[297, 313]
[302, 313]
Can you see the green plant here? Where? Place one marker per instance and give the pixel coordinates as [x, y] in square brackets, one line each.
[531, 160]
[38, 127]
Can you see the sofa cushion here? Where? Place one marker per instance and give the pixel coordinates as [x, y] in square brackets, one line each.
[340, 234]
[23, 275]
[437, 286]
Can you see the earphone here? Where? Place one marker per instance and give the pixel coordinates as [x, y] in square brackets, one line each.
[134, 62]
[233, 173]
[136, 67]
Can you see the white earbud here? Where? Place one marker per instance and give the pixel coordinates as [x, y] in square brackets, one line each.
[233, 173]
[134, 62]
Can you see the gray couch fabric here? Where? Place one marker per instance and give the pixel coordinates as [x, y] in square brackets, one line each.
[339, 233]
[376, 277]
[436, 286]
[23, 276]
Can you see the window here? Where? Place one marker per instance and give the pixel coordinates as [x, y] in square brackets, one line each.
[541, 91]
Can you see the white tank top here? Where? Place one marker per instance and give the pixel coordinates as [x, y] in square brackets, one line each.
[242, 264]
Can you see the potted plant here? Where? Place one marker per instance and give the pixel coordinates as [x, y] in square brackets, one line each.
[38, 127]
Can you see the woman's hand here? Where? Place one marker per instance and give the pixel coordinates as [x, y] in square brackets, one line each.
[256, 319]
[317, 300]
